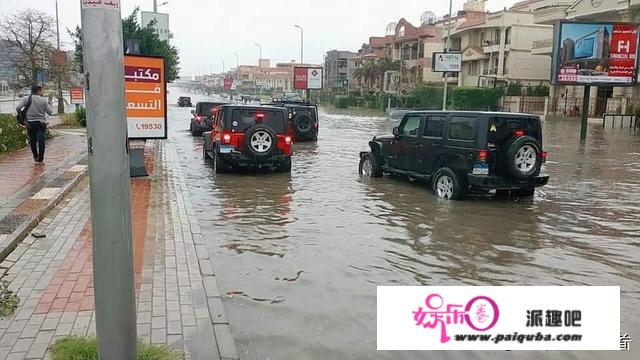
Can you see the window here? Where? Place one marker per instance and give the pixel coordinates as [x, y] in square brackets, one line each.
[462, 128]
[434, 127]
[245, 118]
[401, 31]
[411, 125]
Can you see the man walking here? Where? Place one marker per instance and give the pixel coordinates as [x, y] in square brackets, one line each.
[36, 121]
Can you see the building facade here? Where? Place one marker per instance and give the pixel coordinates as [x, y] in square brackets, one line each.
[338, 69]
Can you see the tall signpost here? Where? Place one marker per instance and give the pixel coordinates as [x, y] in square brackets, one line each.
[109, 180]
[594, 53]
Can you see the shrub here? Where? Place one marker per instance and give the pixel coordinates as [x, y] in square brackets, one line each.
[81, 116]
[427, 97]
[342, 102]
[86, 348]
[473, 98]
[513, 89]
[9, 301]
[12, 136]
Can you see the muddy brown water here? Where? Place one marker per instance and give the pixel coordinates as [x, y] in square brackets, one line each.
[299, 256]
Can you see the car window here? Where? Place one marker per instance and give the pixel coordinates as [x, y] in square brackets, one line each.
[242, 119]
[502, 129]
[434, 127]
[411, 125]
[462, 128]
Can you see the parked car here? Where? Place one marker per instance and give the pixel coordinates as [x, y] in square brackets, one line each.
[201, 120]
[184, 101]
[249, 136]
[457, 152]
[303, 119]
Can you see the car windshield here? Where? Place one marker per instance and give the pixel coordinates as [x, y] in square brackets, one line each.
[242, 119]
[501, 129]
[204, 108]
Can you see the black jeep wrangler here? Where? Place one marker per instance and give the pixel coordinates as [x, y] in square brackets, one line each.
[184, 101]
[249, 136]
[202, 115]
[459, 151]
[303, 119]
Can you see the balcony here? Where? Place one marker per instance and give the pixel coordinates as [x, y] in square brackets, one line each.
[493, 46]
[542, 47]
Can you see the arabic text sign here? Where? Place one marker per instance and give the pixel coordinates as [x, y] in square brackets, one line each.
[595, 53]
[446, 62]
[77, 95]
[307, 78]
[146, 101]
[101, 4]
[498, 318]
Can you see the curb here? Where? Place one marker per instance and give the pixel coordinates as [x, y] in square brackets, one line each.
[14, 239]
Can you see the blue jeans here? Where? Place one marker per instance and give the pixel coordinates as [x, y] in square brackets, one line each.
[37, 136]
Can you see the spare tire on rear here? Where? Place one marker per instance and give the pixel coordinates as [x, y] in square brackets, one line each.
[303, 124]
[522, 157]
[260, 140]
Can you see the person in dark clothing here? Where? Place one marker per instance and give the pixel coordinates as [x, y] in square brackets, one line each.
[37, 121]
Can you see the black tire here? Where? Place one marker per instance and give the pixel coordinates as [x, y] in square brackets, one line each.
[205, 154]
[261, 130]
[526, 192]
[220, 165]
[303, 124]
[447, 184]
[369, 166]
[285, 166]
[522, 157]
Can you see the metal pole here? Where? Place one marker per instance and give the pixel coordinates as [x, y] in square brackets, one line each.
[585, 113]
[60, 99]
[109, 181]
[155, 6]
[446, 50]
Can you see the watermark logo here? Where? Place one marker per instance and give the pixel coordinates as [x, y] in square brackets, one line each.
[481, 313]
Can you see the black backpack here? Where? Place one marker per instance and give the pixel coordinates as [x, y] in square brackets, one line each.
[22, 114]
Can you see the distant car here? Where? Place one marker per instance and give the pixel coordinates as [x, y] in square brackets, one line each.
[458, 151]
[303, 119]
[201, 120]
[249, 136]
[184, 101]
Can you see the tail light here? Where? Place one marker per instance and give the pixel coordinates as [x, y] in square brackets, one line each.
[315, 125]
[519, 133]
[543, 156]
[226, 138]
[199, 118]
[287, 140]
[482, 155]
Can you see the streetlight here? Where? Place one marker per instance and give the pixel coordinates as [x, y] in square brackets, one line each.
[222, 65]
[446, 50]
[301, 43]
[156, 6]
[237, 61]
[260, 58]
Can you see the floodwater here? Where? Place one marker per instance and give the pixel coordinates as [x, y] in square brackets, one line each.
[300, 255]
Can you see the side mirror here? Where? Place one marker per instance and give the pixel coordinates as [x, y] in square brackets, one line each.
[193, 112]
[396, 131]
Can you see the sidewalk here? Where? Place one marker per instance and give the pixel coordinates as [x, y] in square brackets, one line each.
[178, 302]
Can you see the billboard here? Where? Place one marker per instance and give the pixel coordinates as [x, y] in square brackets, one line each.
[145, 97]
[228, 83]
[307, 78]
[595, 54]
[446, 62]
[161, 25]
[77, 95]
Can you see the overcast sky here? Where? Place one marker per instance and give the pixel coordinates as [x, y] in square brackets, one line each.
[207, 31]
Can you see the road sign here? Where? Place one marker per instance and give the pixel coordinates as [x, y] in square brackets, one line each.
[307, 78]
[446, 62]
[77, 95]
[146, 97]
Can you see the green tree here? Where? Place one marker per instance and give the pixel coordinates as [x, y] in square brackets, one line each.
[147, 40]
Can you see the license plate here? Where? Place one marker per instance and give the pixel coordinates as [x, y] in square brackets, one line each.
[480, 169]
[226, 149]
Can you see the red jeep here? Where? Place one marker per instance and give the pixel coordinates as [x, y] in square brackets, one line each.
[249, 136]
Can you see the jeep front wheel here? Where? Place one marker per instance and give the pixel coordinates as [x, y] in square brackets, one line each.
[449, 185]
[369, 166]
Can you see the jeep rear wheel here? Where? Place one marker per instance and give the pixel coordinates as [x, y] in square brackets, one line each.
[285, 166]
[449, 185]
[523, 157]
[369, 166]
[220, 165]
[526, 192]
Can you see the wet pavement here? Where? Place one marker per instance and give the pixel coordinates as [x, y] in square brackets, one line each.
[300, 255]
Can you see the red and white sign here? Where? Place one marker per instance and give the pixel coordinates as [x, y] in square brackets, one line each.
[146, 97]
[307, 78]
[624, 48]
[77, 95]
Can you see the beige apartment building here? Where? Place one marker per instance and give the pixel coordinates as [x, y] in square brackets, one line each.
[603, 98]
[497, 47]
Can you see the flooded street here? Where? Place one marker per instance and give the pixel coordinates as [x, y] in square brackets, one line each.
[300, 255]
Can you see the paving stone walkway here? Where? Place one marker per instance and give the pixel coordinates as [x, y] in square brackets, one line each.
[178, 301]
